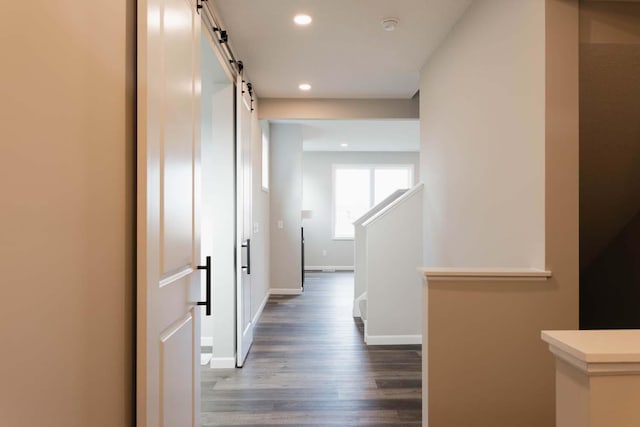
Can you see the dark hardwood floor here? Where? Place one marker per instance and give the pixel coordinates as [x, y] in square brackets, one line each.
[309, 366]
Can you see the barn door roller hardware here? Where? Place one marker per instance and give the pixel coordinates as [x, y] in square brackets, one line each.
[220, 36]
[199, 5]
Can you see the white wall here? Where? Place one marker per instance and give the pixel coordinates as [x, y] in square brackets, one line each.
[218, 201]
[219, 213]
[317, 195]
[482, 111]
[285, 206]
[218, 177]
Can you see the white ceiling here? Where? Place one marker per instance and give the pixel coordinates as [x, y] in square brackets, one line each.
[360, 135]
[344, 53]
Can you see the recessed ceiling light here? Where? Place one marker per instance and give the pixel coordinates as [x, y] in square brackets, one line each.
[344, 144]
[304, 86]
[302, 19]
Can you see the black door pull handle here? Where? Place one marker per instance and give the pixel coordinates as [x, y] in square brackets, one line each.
[207, 301]
[247, 245]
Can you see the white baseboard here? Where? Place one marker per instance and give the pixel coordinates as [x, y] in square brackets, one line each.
[261, 309]
[222, 363]
[328, 268]
[392, 339]
[285, 291]
[206, 341]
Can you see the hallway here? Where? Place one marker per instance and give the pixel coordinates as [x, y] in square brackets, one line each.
[309, 366]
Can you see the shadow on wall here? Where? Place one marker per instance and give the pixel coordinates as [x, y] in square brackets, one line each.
[609, 165]
[610, 285]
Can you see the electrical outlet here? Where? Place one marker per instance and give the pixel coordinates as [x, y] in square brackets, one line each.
[280, 223]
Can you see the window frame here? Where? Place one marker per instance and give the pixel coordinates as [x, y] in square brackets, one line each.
[265, 160]
[371, 167]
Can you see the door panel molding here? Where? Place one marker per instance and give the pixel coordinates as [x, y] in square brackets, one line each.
[173, 276]
[174, 411]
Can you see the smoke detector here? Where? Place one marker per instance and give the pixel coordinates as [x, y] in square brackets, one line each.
[390, 24]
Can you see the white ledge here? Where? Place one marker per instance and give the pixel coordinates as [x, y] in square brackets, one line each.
[391, 206]
[604, 352]
[377, 208]
[452, 273]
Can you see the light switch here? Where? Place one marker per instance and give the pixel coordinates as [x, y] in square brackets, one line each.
[256, 227]
[280, 223]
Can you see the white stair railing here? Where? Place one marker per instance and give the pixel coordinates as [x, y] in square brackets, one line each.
[392, 252]
[360, 250]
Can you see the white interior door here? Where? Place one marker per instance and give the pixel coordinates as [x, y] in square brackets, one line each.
[168, 322]
[244, 321]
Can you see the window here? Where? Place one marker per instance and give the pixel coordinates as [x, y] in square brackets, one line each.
[265, 160]
[357, 188]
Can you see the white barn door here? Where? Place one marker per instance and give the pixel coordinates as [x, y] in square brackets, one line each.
[168, 321]
[244, 321]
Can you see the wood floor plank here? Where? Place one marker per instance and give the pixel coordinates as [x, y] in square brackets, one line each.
[309, 366]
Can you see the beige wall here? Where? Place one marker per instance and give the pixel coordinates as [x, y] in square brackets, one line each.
[609, 129]
[276, 108]
[487, 366]
[67, 86]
